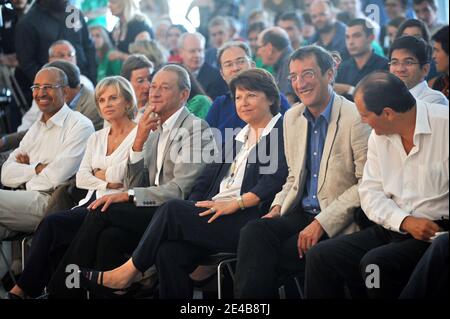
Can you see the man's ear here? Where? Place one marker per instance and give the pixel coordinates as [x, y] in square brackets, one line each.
[331, 75]
[389, 113]
[253, 64]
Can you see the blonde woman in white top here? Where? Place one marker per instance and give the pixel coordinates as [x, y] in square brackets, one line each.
[101, 172]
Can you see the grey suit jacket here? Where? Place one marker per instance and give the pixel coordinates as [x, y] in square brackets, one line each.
[185, 156]
[341, 167]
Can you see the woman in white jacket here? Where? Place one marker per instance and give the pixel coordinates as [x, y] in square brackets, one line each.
[101, 172]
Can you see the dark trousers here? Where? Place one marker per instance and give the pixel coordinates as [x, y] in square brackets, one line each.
[50, 242]
[430, 277]
[349, 260]
[102, 242]
[267, 251]
[177, 238]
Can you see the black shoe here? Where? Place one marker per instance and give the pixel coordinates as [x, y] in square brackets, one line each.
[89, 280]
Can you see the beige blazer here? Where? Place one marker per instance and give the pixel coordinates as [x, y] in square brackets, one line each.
[341, 167]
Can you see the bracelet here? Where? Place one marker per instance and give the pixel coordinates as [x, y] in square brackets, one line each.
[240, 203]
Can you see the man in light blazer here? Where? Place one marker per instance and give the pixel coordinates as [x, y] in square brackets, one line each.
[325, 146]
[170, 151]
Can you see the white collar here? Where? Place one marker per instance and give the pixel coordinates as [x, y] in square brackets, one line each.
[418, 88]
[243, 134]
[170, 122]
[58, 118]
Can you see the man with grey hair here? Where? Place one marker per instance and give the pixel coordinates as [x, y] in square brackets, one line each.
[192, 52]
[274, 48]
[49, 154]
[169, 152]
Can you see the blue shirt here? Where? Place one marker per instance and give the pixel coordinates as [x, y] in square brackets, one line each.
[317, 133]
[223, 116]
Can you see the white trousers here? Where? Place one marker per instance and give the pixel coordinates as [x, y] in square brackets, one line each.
[21, 211]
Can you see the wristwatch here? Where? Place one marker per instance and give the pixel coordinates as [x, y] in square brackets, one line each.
[351, 90]
[240, 202]
[131, 198]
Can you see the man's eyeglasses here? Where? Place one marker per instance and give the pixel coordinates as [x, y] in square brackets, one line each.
[408, 63]
[305, 76]
[63, 55]
[238, 62]
[46, 87]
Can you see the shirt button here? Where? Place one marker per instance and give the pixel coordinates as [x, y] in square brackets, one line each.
[314, 210]
[315, 132]
[315, 154]
[315, 175]
[314, 196]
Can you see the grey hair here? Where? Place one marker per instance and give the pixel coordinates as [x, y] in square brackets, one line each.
[50, 50]
[184, 83]
[183, 37]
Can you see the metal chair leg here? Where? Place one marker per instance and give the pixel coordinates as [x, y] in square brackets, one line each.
[11, 274]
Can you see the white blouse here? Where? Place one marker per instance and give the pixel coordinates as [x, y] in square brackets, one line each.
[95, 158]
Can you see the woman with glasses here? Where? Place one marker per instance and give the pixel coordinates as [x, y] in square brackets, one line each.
[101, 172]
[236, 189]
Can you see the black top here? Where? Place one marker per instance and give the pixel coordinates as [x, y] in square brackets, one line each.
[441, 84]
[39, 28]
[348, 72]
[211, 81]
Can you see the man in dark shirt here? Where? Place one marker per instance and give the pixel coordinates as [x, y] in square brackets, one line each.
[358, 38]
[46, 22]
[330, 34]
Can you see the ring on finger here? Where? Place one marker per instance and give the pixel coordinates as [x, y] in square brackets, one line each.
[213, 210]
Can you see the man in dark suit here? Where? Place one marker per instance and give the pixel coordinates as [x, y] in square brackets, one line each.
[192, 52]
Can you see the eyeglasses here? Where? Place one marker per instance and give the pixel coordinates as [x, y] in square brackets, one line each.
[238, 62]
[408, 63]
[46, 87]
[305, 76]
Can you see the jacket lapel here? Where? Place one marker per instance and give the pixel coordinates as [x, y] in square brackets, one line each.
[302, 137]
[329, 140]
[152, 148]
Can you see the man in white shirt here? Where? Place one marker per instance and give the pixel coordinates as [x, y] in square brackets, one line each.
[410, 59]
[404, 190]
[49, 154]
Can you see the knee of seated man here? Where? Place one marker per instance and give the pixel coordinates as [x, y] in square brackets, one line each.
[253, 230]
[374, 259]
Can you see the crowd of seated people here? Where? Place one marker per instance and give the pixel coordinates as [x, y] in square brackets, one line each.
[313, 146]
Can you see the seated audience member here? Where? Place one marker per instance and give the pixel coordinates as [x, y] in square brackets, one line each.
[358, 36]
[102, 172]
[410, 61]
[152, 50]
[64, 50]
[325, 145]
[192, 51]
[404, 190]
[78, 98]
[219, 30]
[391, 32]
[394, 9]
[103, 47]
[292, 23]
[48, 155]
[274, 49]
[430, 277]
[173, 34]
[168, 154]
[131, 26]
[234, 57]
[330, 33]
[253, 32]
[418, 29]
[138, 70]
[225, 197]
[426, 11]
[441, 57]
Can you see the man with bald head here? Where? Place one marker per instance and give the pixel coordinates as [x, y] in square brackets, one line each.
[48, 155]
[330, 34]
[192, 51]
[274, 48]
